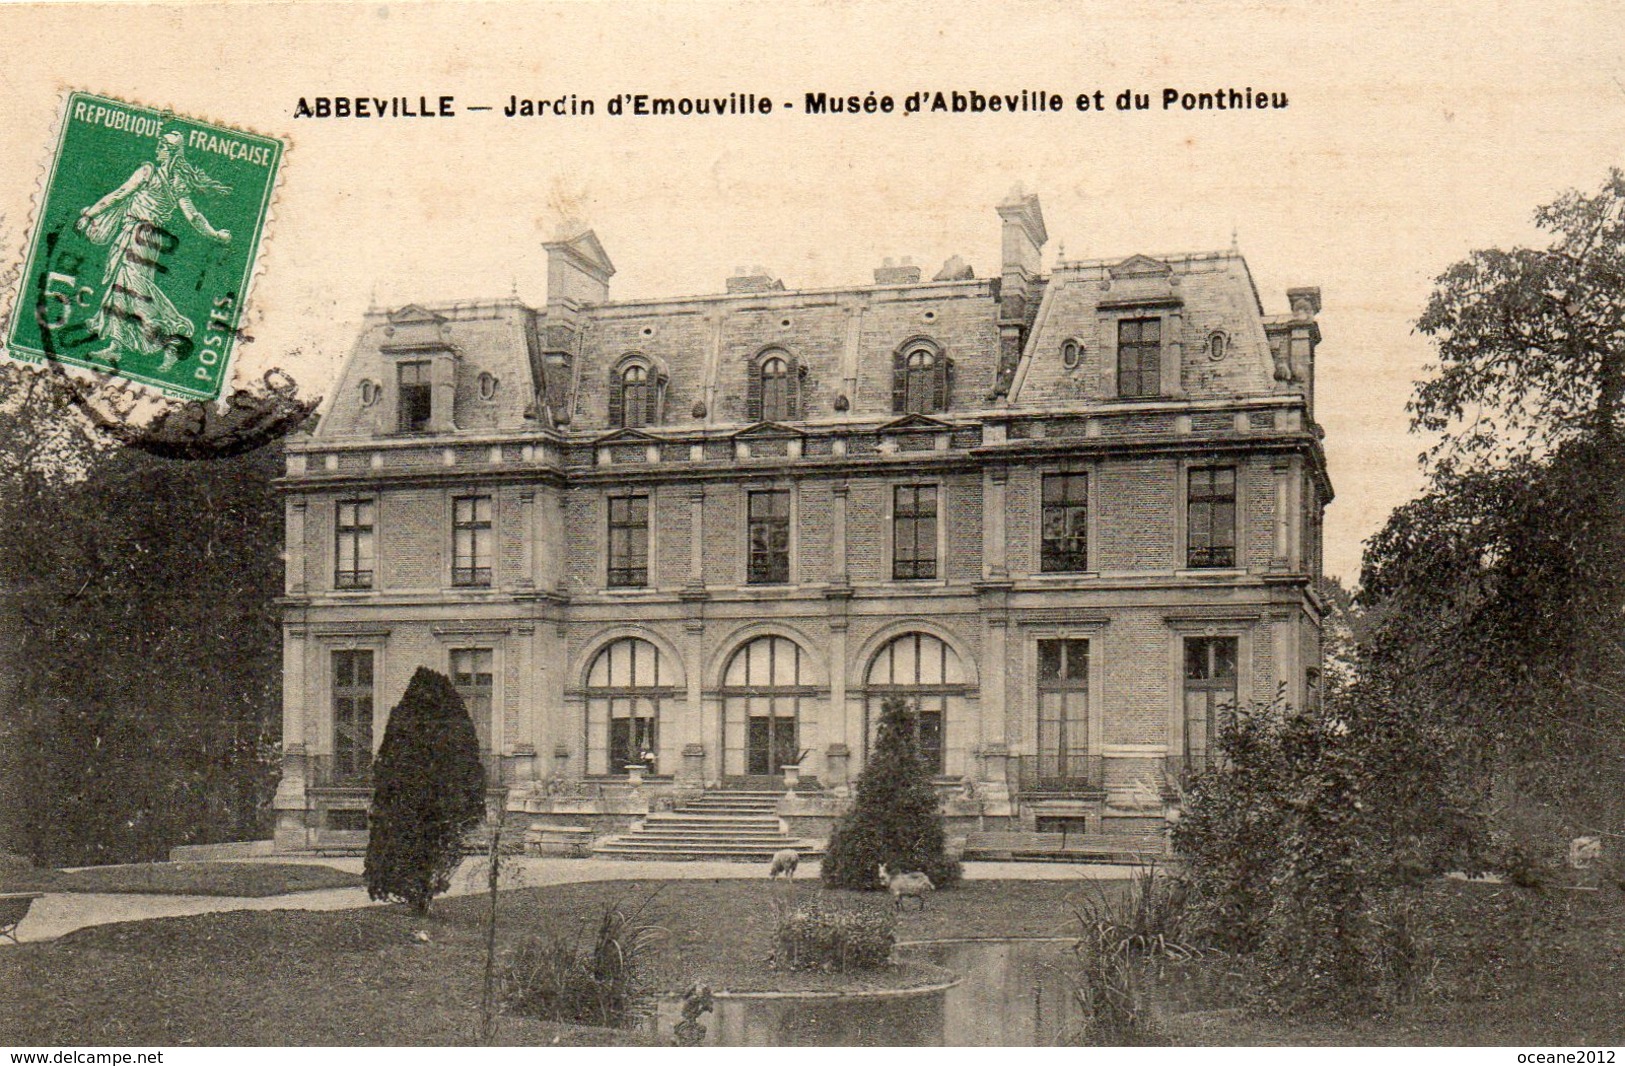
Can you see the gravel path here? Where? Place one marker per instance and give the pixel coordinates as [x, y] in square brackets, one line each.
[57, 913]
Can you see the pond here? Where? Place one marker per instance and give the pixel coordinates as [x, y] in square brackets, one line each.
[1003, 993]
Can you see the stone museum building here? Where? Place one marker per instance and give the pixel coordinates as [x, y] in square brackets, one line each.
[678, 550]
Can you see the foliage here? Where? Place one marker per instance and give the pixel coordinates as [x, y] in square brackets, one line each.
[142, 638]
[558, 980]
[1148, 920]
[896, 817]
[1531, 342]
[1122, 933]
[1313, 954]
[1404, 948]
[1230, 830]
[816, 936]
[1279, 844]
[428, 791]
[1495, 597]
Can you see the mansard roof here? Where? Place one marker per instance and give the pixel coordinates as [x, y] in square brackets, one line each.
[506, 359]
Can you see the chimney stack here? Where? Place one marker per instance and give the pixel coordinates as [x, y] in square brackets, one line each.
[1023, 241]
[578, 271]
[889, 273]
[756, 280]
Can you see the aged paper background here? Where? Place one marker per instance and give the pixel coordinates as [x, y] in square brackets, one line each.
[1414, 133]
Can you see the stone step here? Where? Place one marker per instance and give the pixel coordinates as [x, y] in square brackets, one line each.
[737, 854]
[772, 805]
[710, 823]
[709, 831]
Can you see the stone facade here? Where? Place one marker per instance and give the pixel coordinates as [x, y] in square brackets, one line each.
[1069, 514]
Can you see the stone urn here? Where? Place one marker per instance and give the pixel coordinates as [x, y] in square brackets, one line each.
[792, 776]
[635, 772]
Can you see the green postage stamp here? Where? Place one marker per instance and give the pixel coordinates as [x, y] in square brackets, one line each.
[144, 246]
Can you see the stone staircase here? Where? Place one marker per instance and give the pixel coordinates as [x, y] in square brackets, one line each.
[731, 825]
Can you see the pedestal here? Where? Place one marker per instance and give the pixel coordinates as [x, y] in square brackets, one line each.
[837, 763]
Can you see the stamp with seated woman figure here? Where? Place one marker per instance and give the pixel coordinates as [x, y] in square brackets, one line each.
[144, 246]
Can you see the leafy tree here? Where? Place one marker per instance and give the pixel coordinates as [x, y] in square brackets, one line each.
[428, 791]
[896, 817]
[1494, 599]
[148, 678]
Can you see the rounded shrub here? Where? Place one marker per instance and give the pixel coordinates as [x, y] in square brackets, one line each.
[428, 791]
[896, 817]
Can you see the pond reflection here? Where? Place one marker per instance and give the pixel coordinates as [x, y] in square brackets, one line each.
[1009, 993]
[1012, 993]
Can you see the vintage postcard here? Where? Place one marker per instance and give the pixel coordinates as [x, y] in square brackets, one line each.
[814, 524]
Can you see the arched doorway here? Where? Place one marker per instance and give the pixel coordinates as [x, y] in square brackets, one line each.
[925, 671]
[625, 688]
[766, 689]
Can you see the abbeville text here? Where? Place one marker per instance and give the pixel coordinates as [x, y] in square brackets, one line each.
[376, 107]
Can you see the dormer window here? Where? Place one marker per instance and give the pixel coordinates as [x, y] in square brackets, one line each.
[636, 393]
[921, 379]
[774, 390]
[416, 397]
[1139, 357]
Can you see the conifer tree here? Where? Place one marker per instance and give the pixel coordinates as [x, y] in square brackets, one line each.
[896, 817]
[428, 791]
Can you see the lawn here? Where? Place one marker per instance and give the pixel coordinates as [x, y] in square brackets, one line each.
[182, 879]
[1509, 966]
[365, 977]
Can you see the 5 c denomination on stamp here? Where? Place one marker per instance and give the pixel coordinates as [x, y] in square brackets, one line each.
[144, 245]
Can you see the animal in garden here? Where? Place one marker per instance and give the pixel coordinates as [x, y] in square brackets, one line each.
[906, 884]
[785, 862]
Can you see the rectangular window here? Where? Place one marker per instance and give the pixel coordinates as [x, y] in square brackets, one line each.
[471, 540]
[1139, 357]
[914, 532]
[1063, 712]
[416, 396]
[352, 715]
[352, 549]
[769, 537]
[628, 542]
[471, 676]
[1210, 529]
[1210, 691]
[1066, 523]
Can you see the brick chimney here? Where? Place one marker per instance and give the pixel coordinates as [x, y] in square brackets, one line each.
[578, 273]
[890, 273]
[1023, 248]
[756, 279]
[578, 270]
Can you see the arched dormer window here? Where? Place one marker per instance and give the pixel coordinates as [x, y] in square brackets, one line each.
[773, 393]
[922, 379]
[637, 393]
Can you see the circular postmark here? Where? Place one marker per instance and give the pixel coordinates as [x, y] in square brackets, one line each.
[140, 417]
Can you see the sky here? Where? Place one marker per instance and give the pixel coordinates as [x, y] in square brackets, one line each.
[1414, 133]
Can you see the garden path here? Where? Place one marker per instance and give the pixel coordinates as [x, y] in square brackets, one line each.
[57, 913]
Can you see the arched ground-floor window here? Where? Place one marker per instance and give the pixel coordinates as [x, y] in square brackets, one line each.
[927, 673]
[625, 689]
[767, 702]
